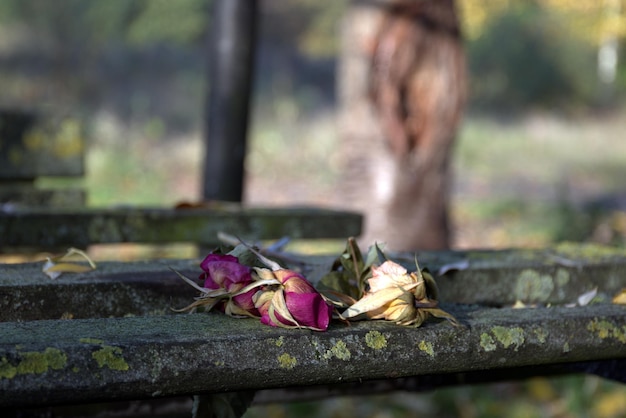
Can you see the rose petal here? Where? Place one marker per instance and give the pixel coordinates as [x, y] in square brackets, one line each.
[309, 309]
[389, 274]
[224, 271]
[373, 301]
[245, 302]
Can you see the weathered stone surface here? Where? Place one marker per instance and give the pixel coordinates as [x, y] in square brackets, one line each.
[20, 194]
[125, 343]
[48, 362]
[81, 227]
[492, 278]
[113, 289]
[553, 275]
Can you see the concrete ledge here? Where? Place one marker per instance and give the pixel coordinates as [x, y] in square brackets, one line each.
[557, 275]
[81, 227]
[124, 342]
[55, 362]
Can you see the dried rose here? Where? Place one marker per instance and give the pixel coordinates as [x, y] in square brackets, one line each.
[224, 271]
[398, 296]
[294, 303]
[226, 284]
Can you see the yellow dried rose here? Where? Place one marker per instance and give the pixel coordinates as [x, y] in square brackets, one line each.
[396, 295]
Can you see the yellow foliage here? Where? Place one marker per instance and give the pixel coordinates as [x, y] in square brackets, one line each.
[591, 20]
[475, 14]
[611, 404]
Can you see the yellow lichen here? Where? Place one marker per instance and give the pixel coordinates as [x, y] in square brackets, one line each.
[286, 361]
[541, 335]
[487, 342]
[509, 336]
[339, 350]
[427, 347]
[279, 342]
[562, 277]
[91, 341]
[111, 357]
[33, 362]
[588, 251]
[533, 287]
[7, 370]
[375, 340]
[605, 329]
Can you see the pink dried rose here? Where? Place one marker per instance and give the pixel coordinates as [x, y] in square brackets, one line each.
[293, 304]
[223, 271]
[227, 286]
[280, 297]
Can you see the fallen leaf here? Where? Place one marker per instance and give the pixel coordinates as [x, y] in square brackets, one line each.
[585, 298]
[55, 266]
[620, 298]
[458, 265]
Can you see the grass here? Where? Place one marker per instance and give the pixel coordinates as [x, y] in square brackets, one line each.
[537, 180]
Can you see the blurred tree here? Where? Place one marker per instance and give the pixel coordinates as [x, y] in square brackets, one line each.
[402, 84]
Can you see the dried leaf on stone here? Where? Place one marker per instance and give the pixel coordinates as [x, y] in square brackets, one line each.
[620, 297]
[59, 264]
[587, 297]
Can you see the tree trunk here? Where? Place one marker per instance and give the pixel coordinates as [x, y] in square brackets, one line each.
[402, 88]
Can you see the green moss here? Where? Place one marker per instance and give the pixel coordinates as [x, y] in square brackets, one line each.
[487, 342]
[509, 336]
[111, 357]
[286, 361]
[339, 350]
[375, 340]
[427, 347]
[533, 287]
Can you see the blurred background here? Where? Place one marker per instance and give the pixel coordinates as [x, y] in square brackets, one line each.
[540, 156]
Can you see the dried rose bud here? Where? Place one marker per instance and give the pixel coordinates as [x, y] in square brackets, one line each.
[223, 271]
[400, 310]
[293, 304]
[399, 296]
